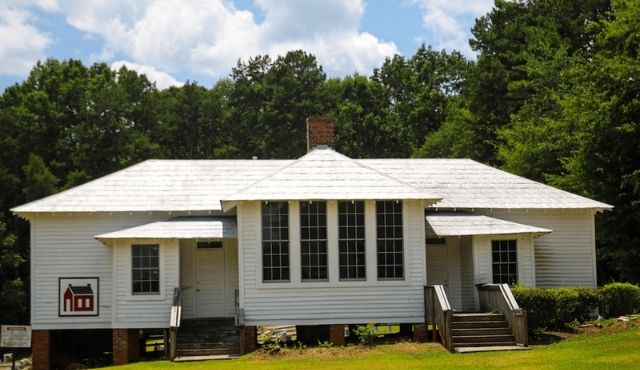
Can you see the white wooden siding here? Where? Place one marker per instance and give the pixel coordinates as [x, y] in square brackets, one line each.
[332, 302]
[62, 245]
[231, 274]
[566, 256]
[466, 274]
[483, 259]
[187, 278]
[144, 311]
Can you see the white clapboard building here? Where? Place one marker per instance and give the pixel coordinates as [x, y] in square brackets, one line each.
[319, 242]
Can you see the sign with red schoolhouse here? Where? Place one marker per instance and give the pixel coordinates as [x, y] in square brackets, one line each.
[78, 296]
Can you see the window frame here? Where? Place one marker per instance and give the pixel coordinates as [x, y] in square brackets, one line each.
[149, 268]
[352, 240]
[267, 241]
[388, 225]
[498, 249]
[314, 233]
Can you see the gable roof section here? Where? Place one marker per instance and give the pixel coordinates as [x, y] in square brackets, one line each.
[464, 183]
[326, 174]
[444, 224]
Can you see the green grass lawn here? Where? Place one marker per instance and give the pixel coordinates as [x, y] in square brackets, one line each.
[613, 350]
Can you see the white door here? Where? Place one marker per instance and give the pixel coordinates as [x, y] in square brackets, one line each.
[437, 265]
[210, 282]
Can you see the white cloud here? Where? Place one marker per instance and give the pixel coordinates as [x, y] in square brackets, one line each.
[209, 37]
[21, 44]
[163, 80]
[448, 22]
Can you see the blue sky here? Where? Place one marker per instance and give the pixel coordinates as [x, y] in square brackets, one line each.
[173, 41]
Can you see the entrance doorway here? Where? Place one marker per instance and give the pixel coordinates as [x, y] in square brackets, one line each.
[208, 278]
[210, 282]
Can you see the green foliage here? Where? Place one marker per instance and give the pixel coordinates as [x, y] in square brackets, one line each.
[367, 334]
[619, 299]
[563, 308]
[271, 346]
[557, 308]
[13, 299]
[325, 344]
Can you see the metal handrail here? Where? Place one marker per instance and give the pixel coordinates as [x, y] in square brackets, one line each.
[498, 297]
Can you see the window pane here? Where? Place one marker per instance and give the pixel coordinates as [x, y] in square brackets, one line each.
[504, 261]
[145, 270]
[275, 241]
[389, 240]
[351, 236]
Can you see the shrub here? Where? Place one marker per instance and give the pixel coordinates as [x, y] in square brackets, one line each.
[619, 299]
[271, 346]
[588, 302]
[556, 308]
[367, 334]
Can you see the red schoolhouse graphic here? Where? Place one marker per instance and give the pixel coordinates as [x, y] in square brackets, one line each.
[79, 298]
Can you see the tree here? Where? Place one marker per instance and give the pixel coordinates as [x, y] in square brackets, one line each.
[513, 41]
[420, 89]
[271, 100]
[583, 134]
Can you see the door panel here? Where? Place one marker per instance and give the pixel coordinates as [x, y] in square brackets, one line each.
[437, 265]
[210, 282]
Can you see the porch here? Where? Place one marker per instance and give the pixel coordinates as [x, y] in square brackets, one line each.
[471, 259]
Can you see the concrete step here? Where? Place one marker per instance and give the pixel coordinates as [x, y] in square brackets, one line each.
[484, 344]
[481, 331]
[508, 338]
[490, 349]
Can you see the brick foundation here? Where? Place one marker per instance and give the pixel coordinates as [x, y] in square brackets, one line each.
[336, 335]
[321, 131]
[40, 347]
[126, 346]
[248, 339]
[420, 332]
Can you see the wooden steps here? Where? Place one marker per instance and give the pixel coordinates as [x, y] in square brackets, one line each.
[482, 331]
[208, 337]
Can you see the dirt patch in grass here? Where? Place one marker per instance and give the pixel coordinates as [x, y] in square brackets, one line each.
[348, 351]
[609, 326]
[592, 328]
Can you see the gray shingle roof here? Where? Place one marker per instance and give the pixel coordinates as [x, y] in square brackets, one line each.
[179, 228]
[200, 185]
[464, 183]
[159, 185]
[326, 174]
[443, 224]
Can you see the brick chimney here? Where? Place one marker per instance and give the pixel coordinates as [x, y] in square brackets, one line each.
[321, 131]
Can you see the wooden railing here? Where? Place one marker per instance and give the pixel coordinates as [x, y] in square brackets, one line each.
[239, 312]
[438, 314]
[498, 297]
[174, 322]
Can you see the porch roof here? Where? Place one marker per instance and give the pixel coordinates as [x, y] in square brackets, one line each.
[443, 224]
[179, 228]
